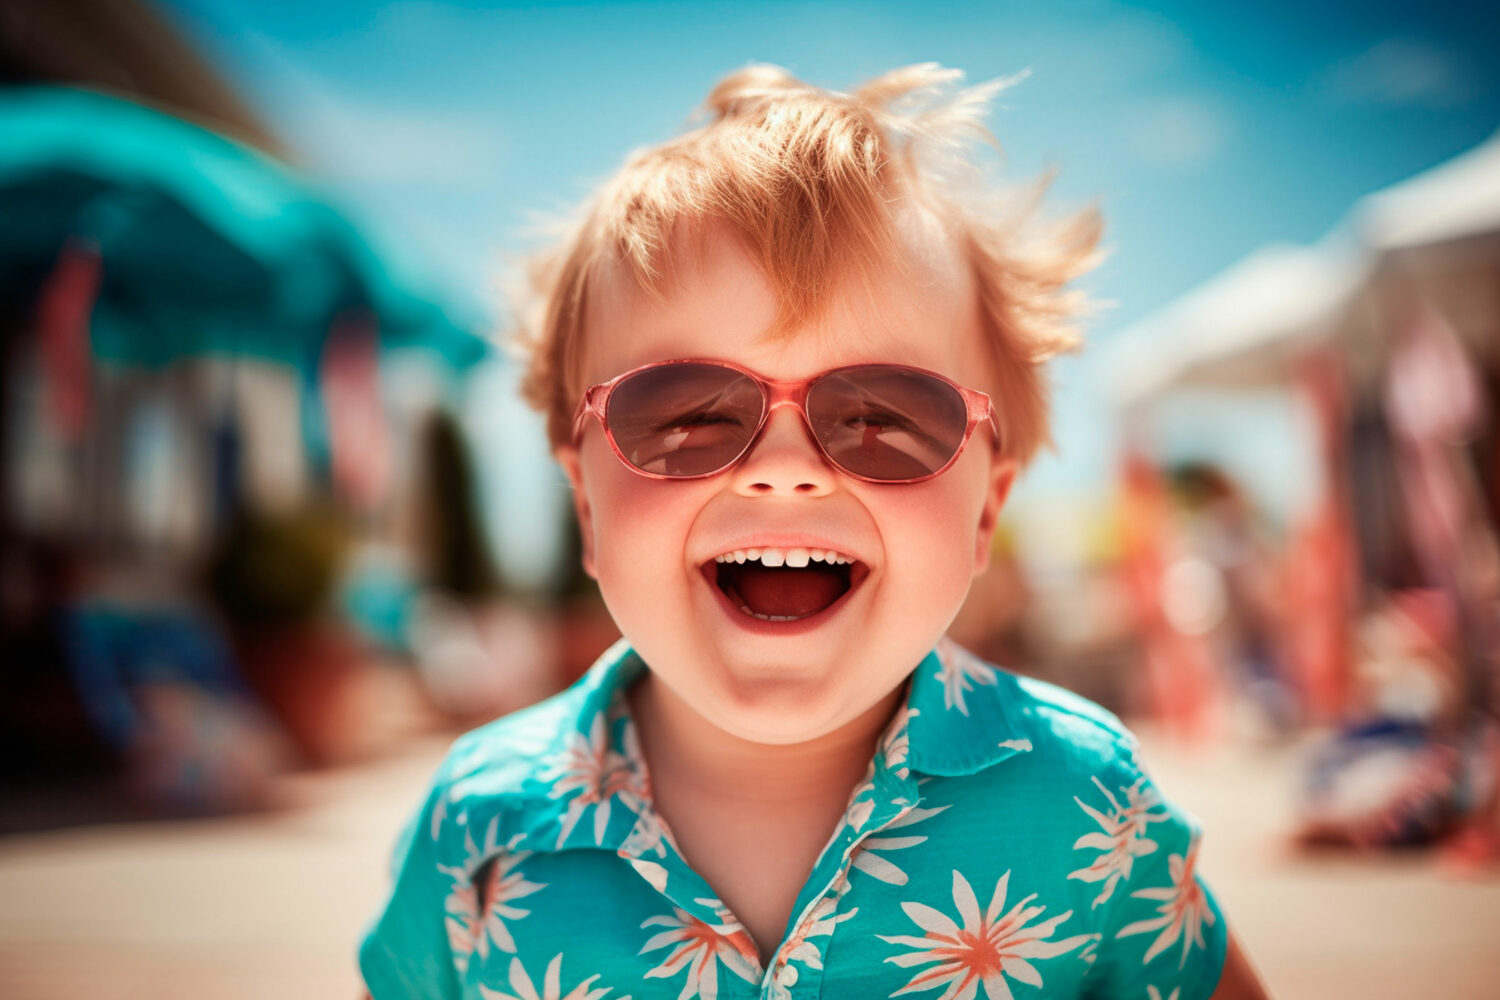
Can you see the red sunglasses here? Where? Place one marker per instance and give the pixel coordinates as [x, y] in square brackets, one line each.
[691, 418]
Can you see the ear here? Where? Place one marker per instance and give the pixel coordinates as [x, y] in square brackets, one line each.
[1002, 476]
[567, 456]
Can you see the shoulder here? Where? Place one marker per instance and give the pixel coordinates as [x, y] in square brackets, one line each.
[968, 715]
[508, 752]
[498, 776]
[1057, 719]
[1066, 740]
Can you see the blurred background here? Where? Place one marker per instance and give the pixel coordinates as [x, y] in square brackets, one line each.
[275, 526]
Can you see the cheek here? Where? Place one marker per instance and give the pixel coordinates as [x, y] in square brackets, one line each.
[930, 535]
[640, 526]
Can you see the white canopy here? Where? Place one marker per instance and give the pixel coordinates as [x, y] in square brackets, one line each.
[1454, 200]
[1240, 327]
[1237, 328]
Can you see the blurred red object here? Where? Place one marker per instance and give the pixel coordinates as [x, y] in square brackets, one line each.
[312, 678]
[1320, 575]
[1181, 678]
[62, 319]
[358, 437]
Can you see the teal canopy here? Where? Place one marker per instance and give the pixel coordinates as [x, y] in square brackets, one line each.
[206, 245]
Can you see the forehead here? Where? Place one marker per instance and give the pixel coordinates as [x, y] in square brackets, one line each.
[918, 307]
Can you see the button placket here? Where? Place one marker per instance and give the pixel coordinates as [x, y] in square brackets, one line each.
[864, 818]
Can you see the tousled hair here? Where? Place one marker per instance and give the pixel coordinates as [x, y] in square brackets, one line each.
[813, 183]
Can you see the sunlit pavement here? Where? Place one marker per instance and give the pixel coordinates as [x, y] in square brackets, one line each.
[256, 907]
[271, 906]
[1331, 926]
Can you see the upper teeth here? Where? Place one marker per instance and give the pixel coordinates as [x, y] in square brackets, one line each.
[796, 558]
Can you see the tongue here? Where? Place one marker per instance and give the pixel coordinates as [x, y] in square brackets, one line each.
[787, 593]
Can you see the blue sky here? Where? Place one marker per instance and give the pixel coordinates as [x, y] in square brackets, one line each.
[1202, 130]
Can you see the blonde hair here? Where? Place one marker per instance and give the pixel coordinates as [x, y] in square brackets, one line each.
[812, 182]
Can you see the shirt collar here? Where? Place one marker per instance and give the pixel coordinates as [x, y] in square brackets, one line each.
[962, 713]
[958, 719]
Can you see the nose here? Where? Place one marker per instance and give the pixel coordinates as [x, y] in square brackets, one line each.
[785, 461]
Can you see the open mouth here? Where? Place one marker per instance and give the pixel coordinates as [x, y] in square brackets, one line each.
[784, 585]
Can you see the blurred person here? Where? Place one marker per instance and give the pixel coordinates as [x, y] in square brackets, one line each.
[1225, 532]
[824, 766]
[1169, 595]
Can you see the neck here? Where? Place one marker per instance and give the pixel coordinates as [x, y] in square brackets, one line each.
[687, 750]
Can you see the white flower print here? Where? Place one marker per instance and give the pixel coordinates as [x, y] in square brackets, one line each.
[856, 814]
[468, 929]
[1122, 835]
[699, 948]
[599, 775]
[649, 835]
[461, 916]
[439, 816]
[895, 742]
[867, 855]
[461, 920]
[1183, 911]
[504, 885]
[861, 807]
[985, 950]
[524, 989]
[652, 872]
[959, 667]
[1152, 993]
[800, 948]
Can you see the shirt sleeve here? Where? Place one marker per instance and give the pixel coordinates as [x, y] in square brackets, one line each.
[1163, 937]
[406, 953]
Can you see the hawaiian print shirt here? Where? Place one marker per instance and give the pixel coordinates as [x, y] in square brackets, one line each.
[1003, 843]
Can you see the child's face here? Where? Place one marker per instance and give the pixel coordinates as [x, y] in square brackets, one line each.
[651, 543]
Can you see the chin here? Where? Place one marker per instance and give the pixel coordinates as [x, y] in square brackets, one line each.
[780, 709]
[775, 728]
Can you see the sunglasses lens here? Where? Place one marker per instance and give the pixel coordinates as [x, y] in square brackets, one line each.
[887, 423]
[684, 419]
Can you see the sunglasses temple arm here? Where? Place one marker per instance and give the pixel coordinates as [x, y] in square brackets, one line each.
[994, 421]
[580, 419]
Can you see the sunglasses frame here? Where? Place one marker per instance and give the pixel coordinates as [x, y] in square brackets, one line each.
[791, 392]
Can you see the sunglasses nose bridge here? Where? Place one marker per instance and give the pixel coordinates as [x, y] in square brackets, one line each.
[770, 465]
[794, 395]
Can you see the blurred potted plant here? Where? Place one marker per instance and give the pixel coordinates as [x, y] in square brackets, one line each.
[273, 575]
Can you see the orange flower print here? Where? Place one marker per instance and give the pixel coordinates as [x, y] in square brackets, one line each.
[985, 950]
[468, 929]
[1121, 837]
[599, 775]
[505, 885]
[1182, 913]
[699, 947]
[461, 921]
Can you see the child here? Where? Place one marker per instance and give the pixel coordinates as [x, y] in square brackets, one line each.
[791, 366]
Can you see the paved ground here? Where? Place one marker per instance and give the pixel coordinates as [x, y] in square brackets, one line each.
[269, 907]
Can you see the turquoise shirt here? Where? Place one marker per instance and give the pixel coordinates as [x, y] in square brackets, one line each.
[1004, 843]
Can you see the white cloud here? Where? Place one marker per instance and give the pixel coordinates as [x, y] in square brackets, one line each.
[1400, 72]
[1177, 131]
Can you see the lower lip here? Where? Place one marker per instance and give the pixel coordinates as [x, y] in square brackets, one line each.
[760, 626]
